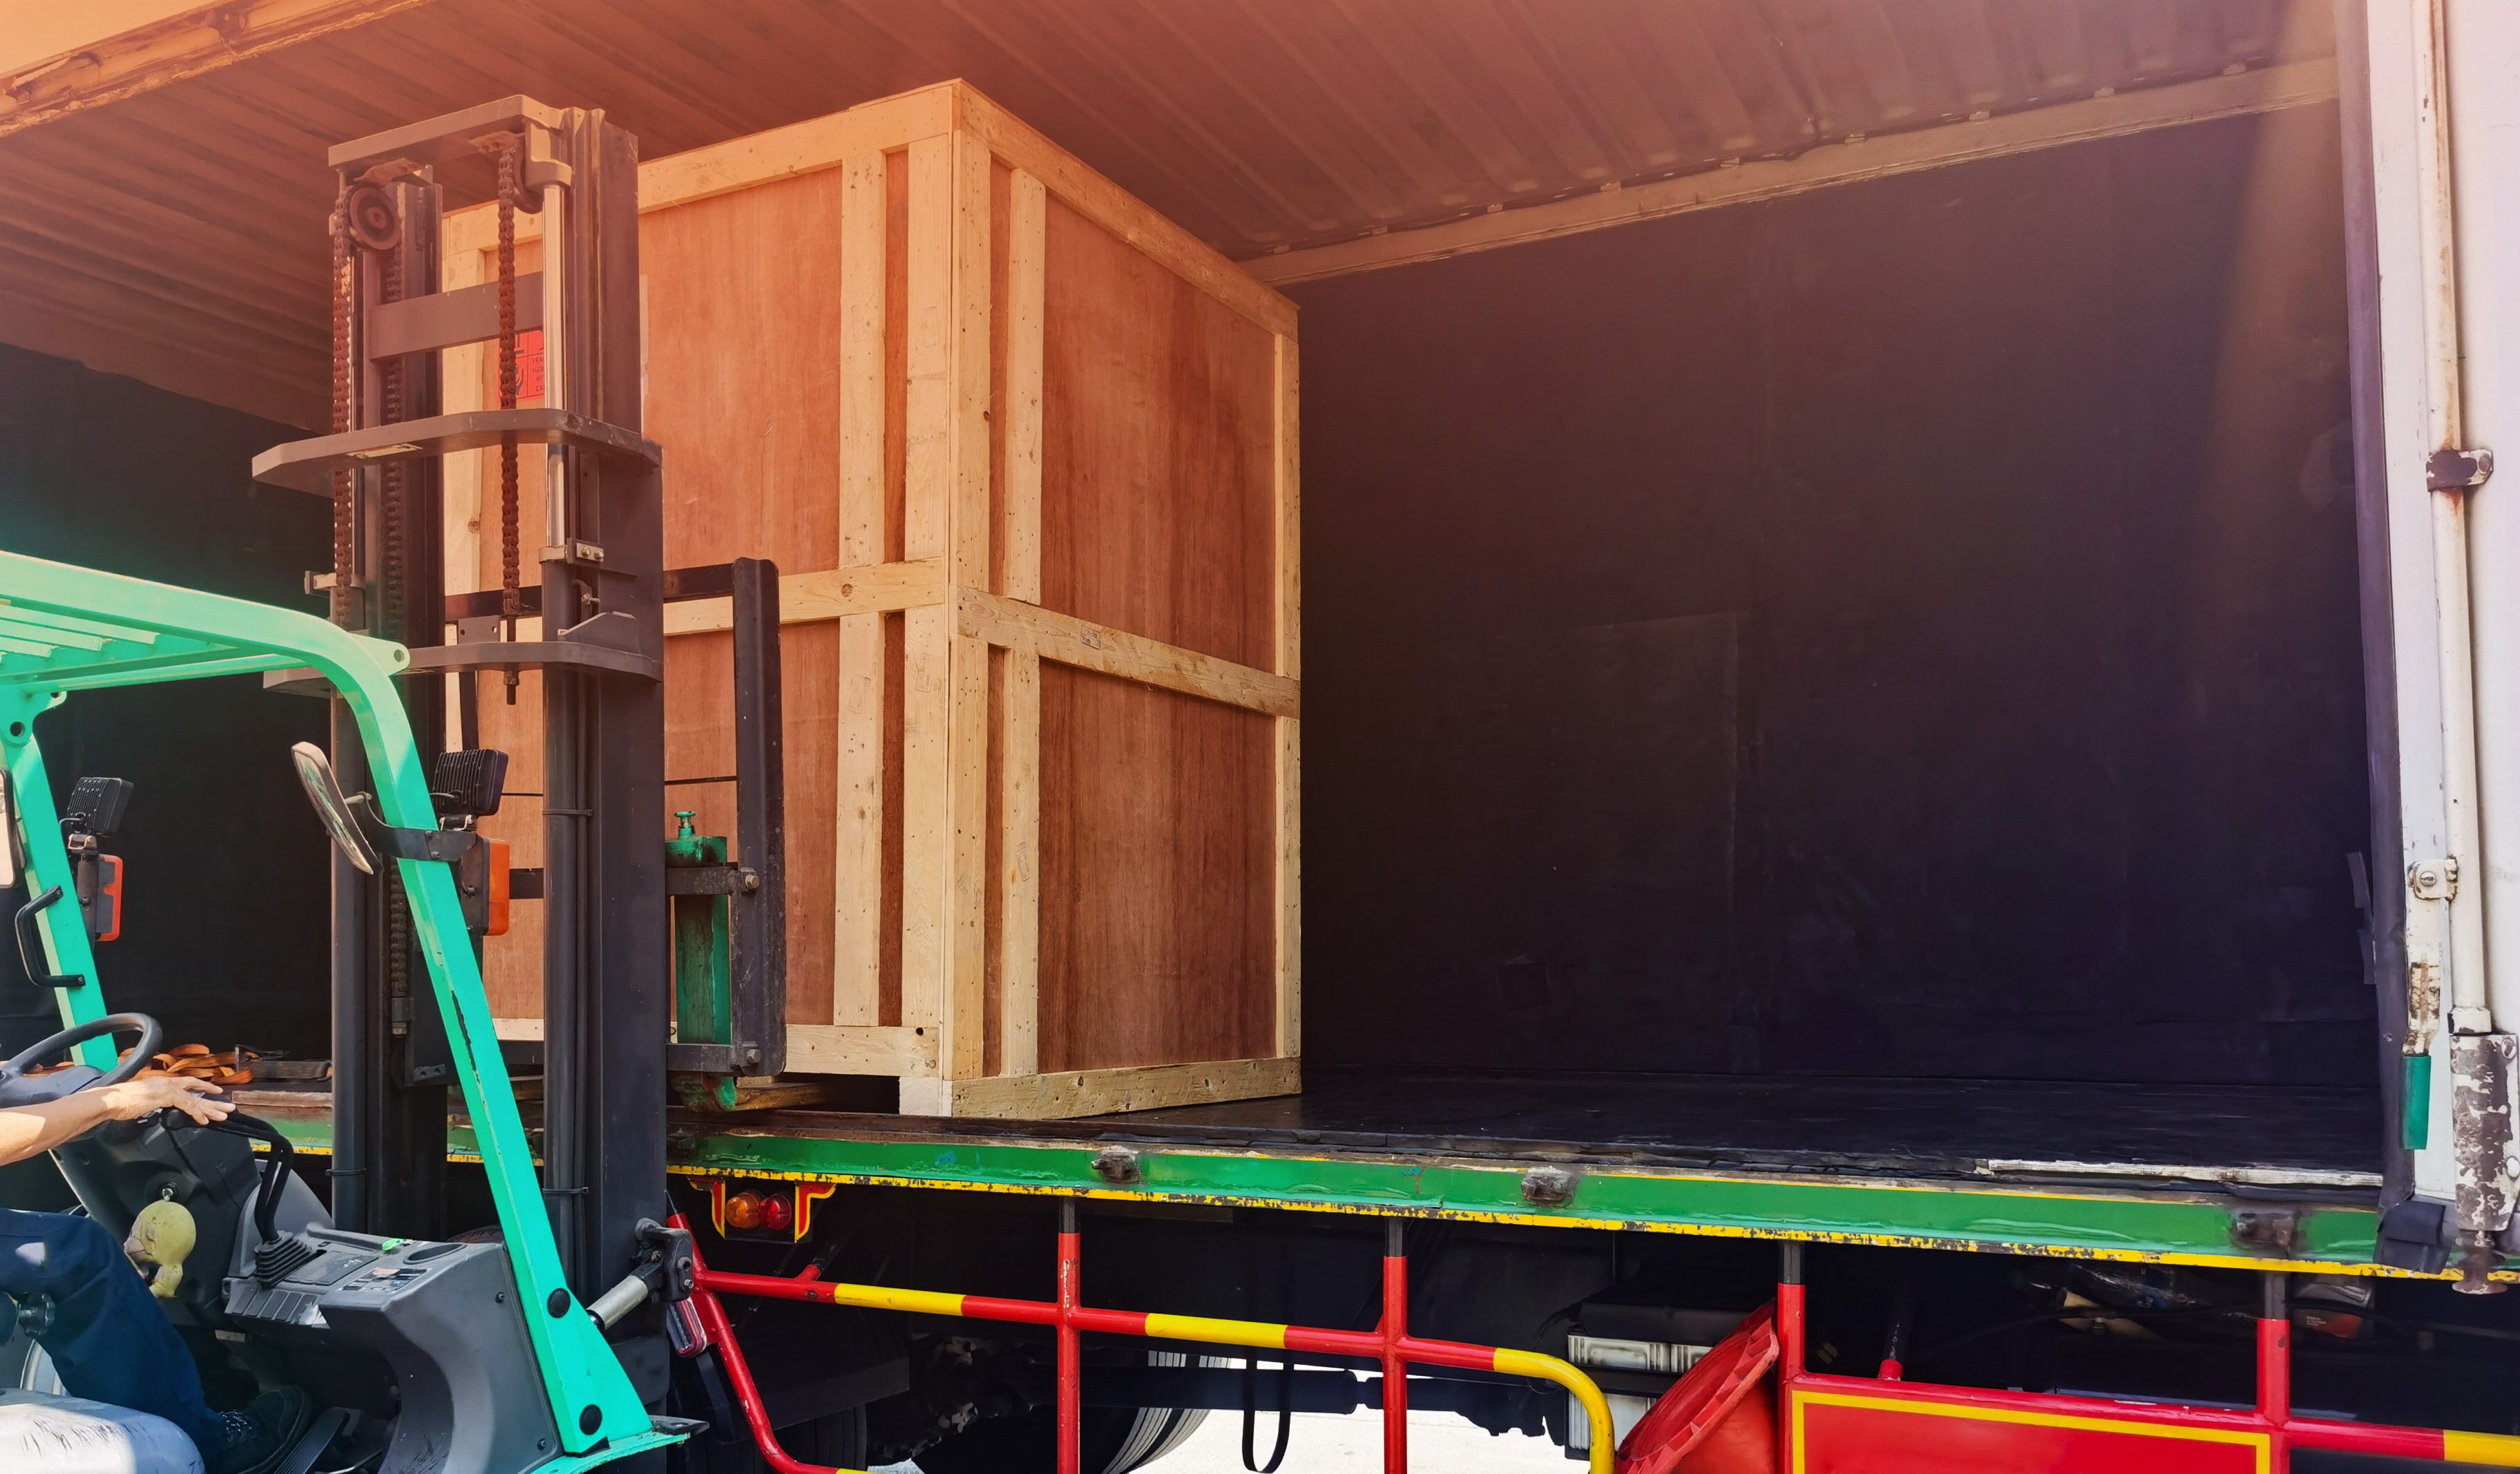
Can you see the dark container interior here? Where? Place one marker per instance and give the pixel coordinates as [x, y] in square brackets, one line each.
[1898, 637]
[227, 880]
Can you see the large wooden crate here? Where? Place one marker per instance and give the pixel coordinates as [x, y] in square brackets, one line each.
[1024, 453]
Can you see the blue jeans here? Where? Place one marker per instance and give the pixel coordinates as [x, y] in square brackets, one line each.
[108, 1340]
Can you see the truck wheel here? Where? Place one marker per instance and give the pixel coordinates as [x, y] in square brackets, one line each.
[1161, 1430]
[1024, 1443]
[1110, 1439]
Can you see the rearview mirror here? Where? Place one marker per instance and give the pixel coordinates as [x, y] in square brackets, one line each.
[324, 792]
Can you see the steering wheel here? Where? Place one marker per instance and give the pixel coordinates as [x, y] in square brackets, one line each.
[151, 1036]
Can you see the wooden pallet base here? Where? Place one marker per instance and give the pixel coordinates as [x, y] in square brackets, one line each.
[1097, 1092]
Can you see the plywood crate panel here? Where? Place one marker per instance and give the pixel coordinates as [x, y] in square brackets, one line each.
[1024, 453]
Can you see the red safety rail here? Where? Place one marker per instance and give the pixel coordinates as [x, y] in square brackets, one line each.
[1886, 1425]
[1825, 1424]
[1389, 1344]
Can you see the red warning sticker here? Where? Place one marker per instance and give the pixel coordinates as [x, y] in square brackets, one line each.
[530, 365]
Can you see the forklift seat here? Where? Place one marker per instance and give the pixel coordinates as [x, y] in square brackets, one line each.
[46, 1433]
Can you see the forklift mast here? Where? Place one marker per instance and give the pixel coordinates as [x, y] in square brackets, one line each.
[598, 652]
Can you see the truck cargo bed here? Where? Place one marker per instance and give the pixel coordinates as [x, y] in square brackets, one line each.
[2233, 1175]
[2130, 1135]
[2002, 1130]
[1931, 1127]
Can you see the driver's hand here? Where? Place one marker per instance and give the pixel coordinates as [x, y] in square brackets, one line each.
[134, 1098]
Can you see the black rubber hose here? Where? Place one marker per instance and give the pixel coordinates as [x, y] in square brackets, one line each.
[1252, 1415]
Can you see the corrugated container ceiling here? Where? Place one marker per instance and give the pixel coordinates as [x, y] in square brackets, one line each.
[179, 234]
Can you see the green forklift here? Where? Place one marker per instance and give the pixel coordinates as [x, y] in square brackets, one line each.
[455, 1356]
[543, 1345]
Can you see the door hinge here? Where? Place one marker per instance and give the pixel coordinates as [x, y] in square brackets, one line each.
[2434, 880]
[2459, 469]
[2423, 1004]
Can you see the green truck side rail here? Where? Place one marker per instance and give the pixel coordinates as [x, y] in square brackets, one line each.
[2159, 1225]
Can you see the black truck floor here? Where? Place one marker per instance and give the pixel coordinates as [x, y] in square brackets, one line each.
[1935, 1127]
[2006, 1130]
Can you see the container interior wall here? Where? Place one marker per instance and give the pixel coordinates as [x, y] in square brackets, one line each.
[227, 880]
[1905, 630]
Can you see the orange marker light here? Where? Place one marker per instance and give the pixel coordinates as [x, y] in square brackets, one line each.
[109, 898]
[743, 1211]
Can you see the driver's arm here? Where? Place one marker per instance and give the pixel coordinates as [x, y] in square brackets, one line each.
[26, 1129]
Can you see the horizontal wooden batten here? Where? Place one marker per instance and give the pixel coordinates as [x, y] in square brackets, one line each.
[1068, 641]
[860, 1049]
[1098, 1092]
[896, 123]
[828, 593]
[807, 598]
[814, 1049]
[768, 158]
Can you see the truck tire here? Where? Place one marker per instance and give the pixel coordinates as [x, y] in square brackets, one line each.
[1161, 1430]
[1110, 1439]
[1110, 1442]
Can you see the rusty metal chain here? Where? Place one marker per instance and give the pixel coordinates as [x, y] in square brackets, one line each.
[394, 509]
[342, 528]
[511, 599]
[394, 479]
[510, 553]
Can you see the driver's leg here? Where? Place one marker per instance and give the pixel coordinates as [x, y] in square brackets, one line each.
[109, 1339]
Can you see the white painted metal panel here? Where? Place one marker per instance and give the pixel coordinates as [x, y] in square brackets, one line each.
[2400, 325]
[2485, 100]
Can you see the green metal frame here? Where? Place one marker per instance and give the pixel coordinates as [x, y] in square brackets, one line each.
[65, 629]
[2165, 1225]
[60, 926]
[2158, 1226]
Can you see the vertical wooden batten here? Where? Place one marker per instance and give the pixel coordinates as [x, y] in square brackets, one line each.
[1289, 614]
[1020, 781]
[965, 411]
[857, 893]
[927, 498]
